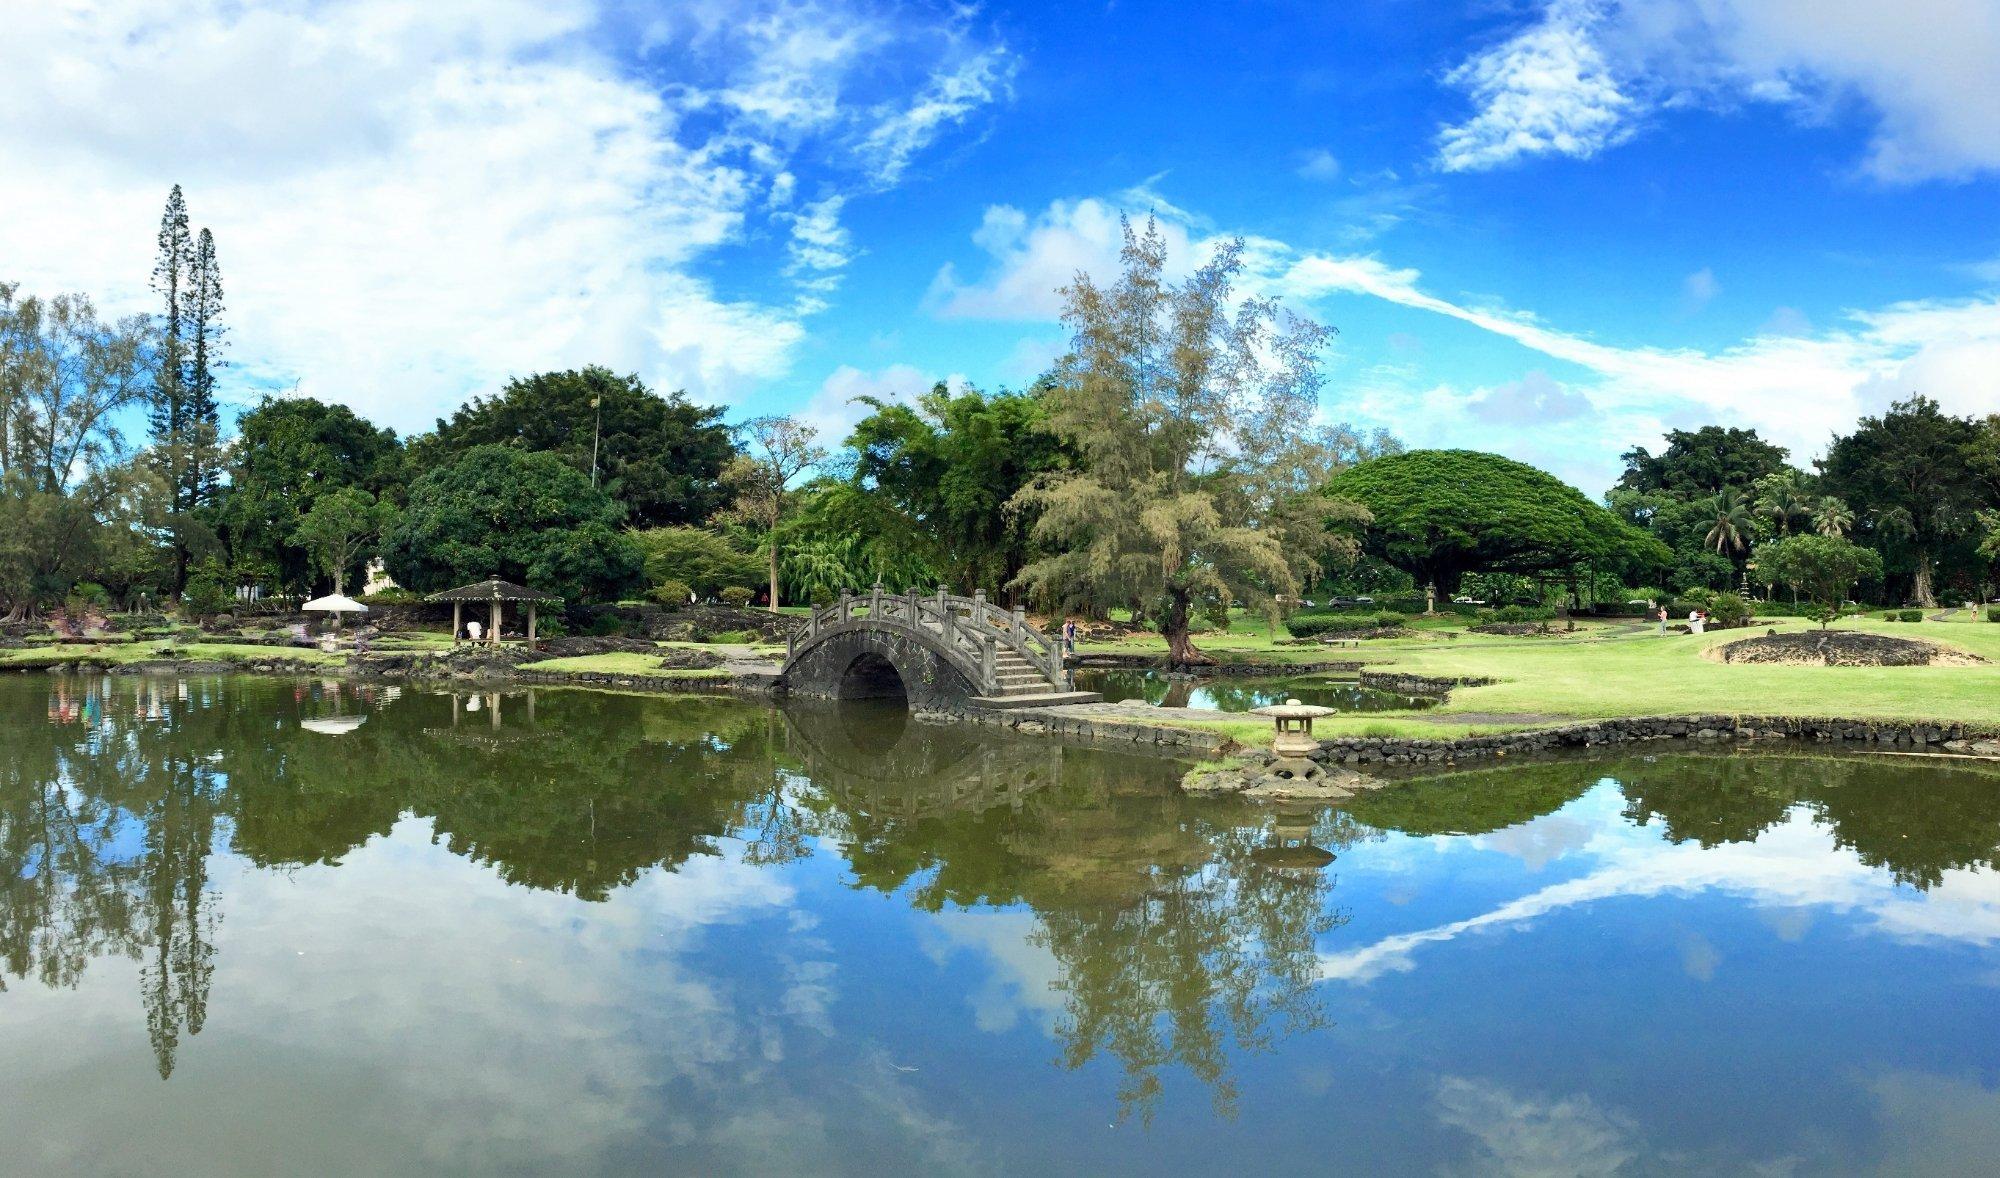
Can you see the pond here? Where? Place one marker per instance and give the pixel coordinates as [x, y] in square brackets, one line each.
[1230, 694]
[260, 926]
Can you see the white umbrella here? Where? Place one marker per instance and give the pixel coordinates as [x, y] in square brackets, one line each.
[335, 604]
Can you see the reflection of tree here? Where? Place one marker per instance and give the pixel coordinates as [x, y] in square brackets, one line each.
[1175, 945]
[1915, 825]
[1476, 801]
[108, 814]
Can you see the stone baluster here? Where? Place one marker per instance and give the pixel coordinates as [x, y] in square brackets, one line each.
[875, 602]
[944, 618]
[846, 605]
[979, 610]
[988, 671]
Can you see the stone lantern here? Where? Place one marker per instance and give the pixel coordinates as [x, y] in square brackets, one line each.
[1294, 743]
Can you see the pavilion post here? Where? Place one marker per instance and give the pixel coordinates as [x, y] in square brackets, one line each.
[457, 622]
[493, 631]
[531, 625]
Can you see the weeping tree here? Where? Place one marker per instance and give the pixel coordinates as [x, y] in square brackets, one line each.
[1189, 412]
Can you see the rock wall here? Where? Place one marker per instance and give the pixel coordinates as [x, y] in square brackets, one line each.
[1912, 736]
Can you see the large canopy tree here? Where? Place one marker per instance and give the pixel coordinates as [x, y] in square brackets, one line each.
[1913, 470]
[496, 511]
[1439, 514]
[1189, 414]
[1699, 464]
[288, 454]
[934, 479]
[659, 456]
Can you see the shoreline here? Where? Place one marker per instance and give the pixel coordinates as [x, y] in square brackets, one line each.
[1158, 728]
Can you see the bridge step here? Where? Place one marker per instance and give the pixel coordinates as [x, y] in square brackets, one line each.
[1041, 700]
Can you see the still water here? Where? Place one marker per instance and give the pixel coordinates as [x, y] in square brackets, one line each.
[254, 926]
[1240, 695]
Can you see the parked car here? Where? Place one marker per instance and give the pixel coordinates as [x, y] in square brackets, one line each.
[1364, 600]
[1462, 599]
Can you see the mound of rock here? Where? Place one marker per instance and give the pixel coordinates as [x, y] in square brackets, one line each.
[1840, 648]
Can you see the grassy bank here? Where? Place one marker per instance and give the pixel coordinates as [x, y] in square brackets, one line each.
[1613, 669]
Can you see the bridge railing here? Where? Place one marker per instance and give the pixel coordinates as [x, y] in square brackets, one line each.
[971, 626]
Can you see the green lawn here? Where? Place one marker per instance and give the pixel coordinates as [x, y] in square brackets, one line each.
[120, 653]
[1612, 669]
[620, 663]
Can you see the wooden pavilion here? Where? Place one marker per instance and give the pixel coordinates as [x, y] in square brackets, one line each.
[492, 592]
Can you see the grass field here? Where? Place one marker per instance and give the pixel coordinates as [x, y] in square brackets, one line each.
[120, 653]
[620, 663]
[1623, 668]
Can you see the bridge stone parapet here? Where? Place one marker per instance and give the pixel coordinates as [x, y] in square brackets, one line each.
[938, 651]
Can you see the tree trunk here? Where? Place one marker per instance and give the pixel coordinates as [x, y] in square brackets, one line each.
[1922, 588]
[1180, 645]
[774, 574]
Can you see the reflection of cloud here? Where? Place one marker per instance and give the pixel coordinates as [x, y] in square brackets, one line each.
[1935, 1124]
[1024, 976]
[1540, 841]
[437, 1015]
[1525, 1136]
[1699, 957]
[1792, 865]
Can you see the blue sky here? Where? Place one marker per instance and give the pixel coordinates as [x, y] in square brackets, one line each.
[1552, 228]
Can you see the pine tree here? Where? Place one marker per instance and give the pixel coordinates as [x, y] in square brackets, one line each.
[201, 316]
[184, 421]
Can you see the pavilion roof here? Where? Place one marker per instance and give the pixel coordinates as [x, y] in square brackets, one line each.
[492, 589]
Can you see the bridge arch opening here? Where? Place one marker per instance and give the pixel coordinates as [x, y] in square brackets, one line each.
[870, 676]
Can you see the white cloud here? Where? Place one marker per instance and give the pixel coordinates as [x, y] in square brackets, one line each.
[952, 95]
[1318, 164]
[1535, 399]
[1700, 288]
[833, 409]
[1792, 383]
[1587, 71]
[1547, 90]
[412, 202]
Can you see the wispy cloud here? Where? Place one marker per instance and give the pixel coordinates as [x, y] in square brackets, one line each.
[1585, 74]
[413, 202]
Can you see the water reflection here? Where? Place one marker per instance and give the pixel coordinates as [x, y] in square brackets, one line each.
[1241, 695]
[745, 912]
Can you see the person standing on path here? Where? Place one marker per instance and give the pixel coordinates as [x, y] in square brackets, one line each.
[1069, 637]
[1662, 615]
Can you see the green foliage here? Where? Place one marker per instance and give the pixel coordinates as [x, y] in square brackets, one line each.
[1189, 414]
[1825, 568]
[674, 594]
[1313, 625]
[659, 456]
[1701, 464]
[495, 511]
[1993, 613]
[822, 557]
[702, 559]
[1439, 514]
[736, 596]
[288, 453]
[207, 593]
[1729, 609]
[1515, 615]
[935, 478]
[1913, 468]
[340, 531]
[1911, 615]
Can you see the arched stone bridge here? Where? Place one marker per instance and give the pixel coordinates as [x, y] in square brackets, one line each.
[938, 652]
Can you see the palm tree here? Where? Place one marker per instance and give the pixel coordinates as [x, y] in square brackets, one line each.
[1733, 522]
[1831, 517]
[1781, 499]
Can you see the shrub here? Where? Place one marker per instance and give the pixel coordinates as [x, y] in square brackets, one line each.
[1516, 614]
[1913, 615]
[1390, 619]
[1314, 625]
[1890, 615]
[1993, 613]
[395, 596]
[550, 628]
[1729, 610]
[672, 594]
[736, 596]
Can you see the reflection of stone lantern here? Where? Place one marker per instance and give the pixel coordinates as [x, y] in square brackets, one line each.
[1291, 847]
[1294, 743]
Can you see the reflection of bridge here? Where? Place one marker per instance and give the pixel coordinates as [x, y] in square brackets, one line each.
[882, 764]
[939, 652]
